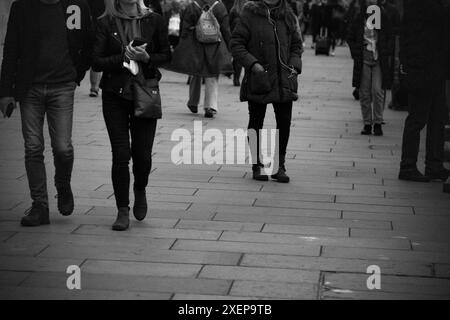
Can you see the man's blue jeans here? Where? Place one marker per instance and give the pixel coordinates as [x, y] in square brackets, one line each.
[55, 101]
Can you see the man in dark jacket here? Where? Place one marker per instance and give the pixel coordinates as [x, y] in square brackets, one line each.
[47, 52]
[424, 55]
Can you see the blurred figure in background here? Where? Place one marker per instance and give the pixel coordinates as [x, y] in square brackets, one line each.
[154, 5]
[318, 13]
[371, 49]
[424, 55]
[235, 15]
[352, 12]
[173, 16]
[203, 60]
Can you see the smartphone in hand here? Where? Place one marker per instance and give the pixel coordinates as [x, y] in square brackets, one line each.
[138, 42]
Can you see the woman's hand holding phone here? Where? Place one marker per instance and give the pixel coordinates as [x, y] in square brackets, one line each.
[137, 53]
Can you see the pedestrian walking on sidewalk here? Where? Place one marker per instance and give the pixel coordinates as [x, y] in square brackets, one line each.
[267, 43]
[235, 14]
[46, 54]
[371, 49]
[201, 58]
[424, 55]
[124, 23]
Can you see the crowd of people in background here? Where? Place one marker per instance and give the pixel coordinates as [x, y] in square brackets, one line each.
[125, 42]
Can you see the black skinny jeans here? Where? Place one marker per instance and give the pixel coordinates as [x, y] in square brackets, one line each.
[121, 124]
[283, 116]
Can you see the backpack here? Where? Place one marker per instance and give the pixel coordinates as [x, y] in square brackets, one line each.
[207, 29]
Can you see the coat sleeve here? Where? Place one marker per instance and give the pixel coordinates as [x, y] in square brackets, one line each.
[101, 59]
[162, 52]
[88, 40]
[239, 42]
[296, 50]
[351, 36]
[224, 21]
[10, 53]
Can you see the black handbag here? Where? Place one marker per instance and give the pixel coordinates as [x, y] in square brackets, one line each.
[146, 95]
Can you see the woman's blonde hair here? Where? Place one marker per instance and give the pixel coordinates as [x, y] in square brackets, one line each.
[112, 10]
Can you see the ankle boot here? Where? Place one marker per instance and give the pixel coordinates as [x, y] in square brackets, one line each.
[257, 175]
[367, 130]
[140, 204]
[123, 219]
[37, 215]
[281, 176]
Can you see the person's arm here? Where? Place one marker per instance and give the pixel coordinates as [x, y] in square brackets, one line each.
[162, 52]
[224, 23]
[239, 42]
[296, 51]
[10, 53]
[88, 40]
[102, 60]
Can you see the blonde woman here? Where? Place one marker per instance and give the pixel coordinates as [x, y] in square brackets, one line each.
[135, 22]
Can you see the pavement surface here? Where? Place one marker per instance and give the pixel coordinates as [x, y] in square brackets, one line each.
[213, 232]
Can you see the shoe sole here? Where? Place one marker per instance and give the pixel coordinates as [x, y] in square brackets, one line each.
[120, 228]
[261, 179]
[413, 180]
[42, 223]
[139, 217]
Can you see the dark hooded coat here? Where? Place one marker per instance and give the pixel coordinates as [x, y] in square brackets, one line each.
[254, 41]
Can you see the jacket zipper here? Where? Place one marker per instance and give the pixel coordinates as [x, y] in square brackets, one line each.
[280, 81]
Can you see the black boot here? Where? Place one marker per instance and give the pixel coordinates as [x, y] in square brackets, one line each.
[257, 175]
[37, 215]
[441, 174]
[123, 219]
[367, 130]
[377, 130]
[281, 175]
[140, 204]
[65, 201]
[412, 175]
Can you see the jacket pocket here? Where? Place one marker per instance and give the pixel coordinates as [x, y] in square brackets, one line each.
[259, 83]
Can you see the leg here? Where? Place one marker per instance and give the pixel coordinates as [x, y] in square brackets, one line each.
[195, 87]
[32, 110]
[378, 94]
[365, 94]
[283, 115]
[257, 113]
[116, 112]
[211, 93]
[60, 102]
[436, 130]
[142, 137]
[419, 111]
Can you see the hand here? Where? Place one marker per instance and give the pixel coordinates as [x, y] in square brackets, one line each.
[258, 68]
[138, 54]
[4, 103]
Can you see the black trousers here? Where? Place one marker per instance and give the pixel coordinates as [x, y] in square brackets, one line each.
[283, 116]
[122, 125]
[426, 108]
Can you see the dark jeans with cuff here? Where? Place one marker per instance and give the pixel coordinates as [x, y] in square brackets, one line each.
[56, 102]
